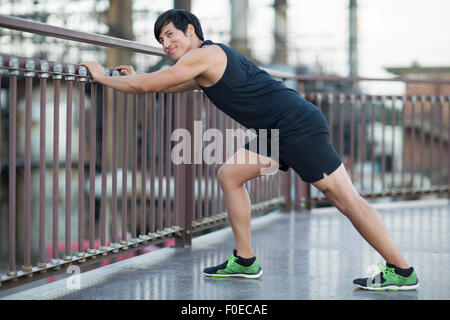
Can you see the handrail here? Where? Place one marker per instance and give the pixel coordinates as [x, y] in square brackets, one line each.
[75, 35]
[304, 77]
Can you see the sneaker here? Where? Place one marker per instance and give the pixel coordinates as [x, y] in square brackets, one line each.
[390, 278]
[237, 267]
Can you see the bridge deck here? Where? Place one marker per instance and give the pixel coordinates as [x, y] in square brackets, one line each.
[312, 255]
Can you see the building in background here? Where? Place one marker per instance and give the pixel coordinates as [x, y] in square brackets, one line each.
[427, 119]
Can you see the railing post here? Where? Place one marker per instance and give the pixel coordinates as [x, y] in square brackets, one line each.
[13, 73]
[28, 74]
[82, 71]
[70, 78]
[42, 185]
[187, 208]
[286, 191]
[303, 199]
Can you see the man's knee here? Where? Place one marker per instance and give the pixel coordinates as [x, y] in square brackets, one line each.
[225, 176]
[346, 202]
[231, 175]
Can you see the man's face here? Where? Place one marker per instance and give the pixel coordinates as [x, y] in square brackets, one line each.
[175, 43]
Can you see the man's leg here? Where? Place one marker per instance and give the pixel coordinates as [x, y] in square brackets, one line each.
[243, 166]
[340, 191]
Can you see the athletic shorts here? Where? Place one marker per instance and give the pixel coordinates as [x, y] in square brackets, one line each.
[310, 154]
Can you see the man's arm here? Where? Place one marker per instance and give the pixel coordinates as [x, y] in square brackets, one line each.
[187, 68]
[187, 86]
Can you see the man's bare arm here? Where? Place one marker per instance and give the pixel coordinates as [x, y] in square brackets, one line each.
[187, 68]
[187, 86]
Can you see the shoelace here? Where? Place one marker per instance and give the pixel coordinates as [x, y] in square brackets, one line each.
[385, 270]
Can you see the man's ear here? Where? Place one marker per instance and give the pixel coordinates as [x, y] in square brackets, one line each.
[190, 29]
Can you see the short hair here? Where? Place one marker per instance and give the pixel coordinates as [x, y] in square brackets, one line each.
[180, 19]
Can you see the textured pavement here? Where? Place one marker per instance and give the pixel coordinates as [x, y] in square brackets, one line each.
[304, 255]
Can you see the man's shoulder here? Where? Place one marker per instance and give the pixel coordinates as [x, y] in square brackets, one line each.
[206, 53]
[210, 49]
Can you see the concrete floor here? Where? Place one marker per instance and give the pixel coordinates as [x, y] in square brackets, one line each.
[312, 255]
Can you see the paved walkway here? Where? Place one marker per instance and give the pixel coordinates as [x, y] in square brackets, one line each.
[313, 255]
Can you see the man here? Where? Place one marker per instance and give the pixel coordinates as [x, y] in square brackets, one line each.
[251, 97]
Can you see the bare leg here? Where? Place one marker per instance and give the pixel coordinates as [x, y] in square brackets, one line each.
[340, 191]
[243, 166]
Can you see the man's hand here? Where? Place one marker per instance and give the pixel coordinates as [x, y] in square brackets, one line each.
[96, 69]
[125, 70]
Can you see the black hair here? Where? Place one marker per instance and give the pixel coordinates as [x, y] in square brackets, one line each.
[180, 19]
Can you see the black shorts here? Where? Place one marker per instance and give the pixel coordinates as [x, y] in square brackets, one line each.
[309, 154]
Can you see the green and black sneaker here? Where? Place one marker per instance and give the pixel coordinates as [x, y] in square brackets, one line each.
[236, 267]
[390, 278]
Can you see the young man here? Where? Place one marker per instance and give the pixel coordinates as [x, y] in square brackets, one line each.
[251, 97]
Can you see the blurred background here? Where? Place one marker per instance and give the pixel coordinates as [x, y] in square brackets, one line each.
[323, 37]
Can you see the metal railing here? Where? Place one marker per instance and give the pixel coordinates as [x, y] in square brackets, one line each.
[120, 195]
[392, 146]
[125, 193]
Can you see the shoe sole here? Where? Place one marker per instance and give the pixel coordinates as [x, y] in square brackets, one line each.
[234, 275]
[390, 288]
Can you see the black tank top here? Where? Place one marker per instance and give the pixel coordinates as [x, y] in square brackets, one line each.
[250, 96]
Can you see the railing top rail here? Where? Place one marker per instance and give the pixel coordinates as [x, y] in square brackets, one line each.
[35, 27]
[74, 35]
[304, 77]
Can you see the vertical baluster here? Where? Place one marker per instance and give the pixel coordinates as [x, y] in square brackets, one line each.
[28, 74]
[92, 164]
[134, 169]
[448, 144]
[440, 106]
[363, 139]
[82, 71]
[422, 140]
[177, 168]
[330, 116]
[57, 68]
[372, 144]
[103, 203]
[394, 126]
[352, 136]
[413, 139]
[383, 144]
[403, 144]
[114, 240]
[70, 70]
[170, 220]
[198, 116]
[432, 102]
[152, 220]
[341, 124]
[124, 240]
[214, 166]
[143, 166]
[161, 161]
[43, 75]
[13, 73]
[206, 166]
[221, 128]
